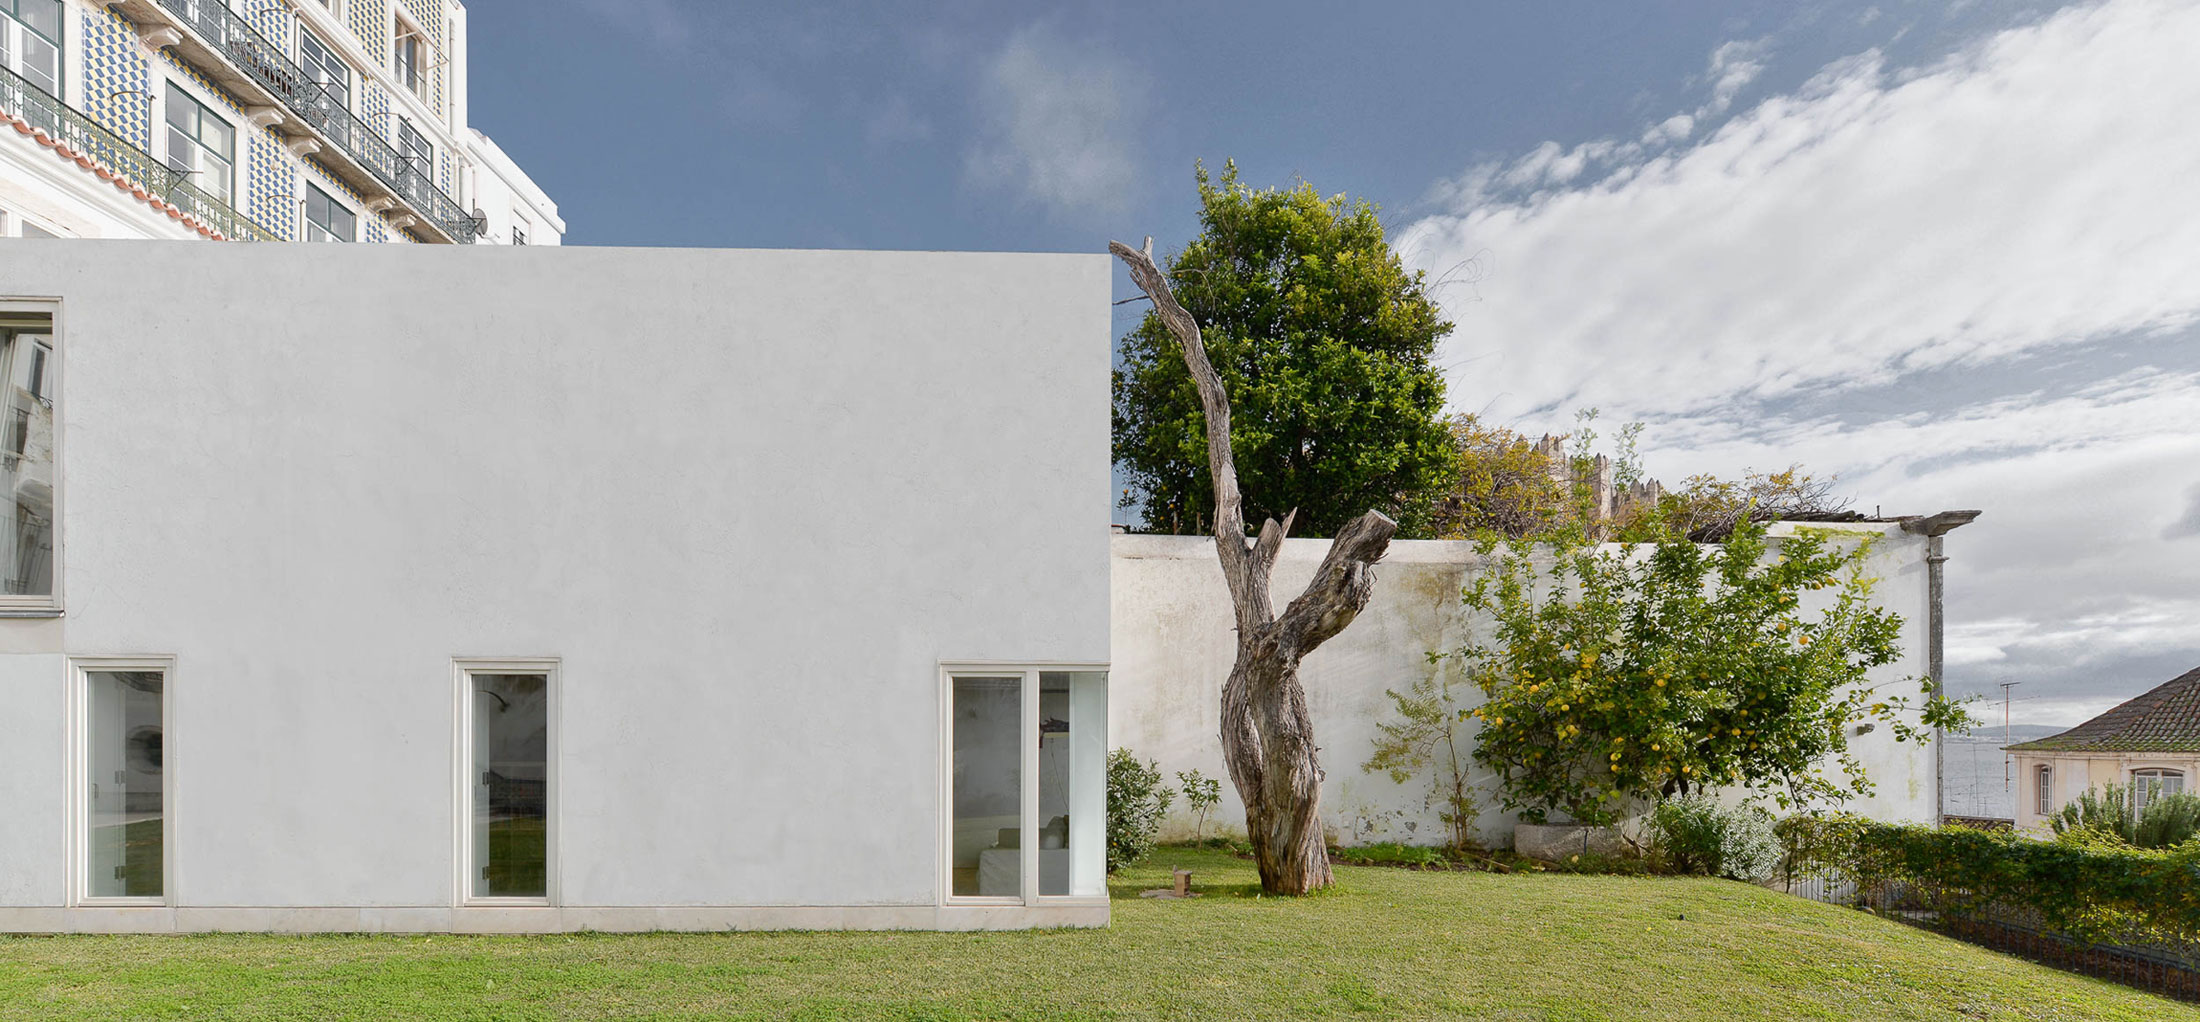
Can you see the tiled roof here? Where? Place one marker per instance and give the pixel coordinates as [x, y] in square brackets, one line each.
[2165, 719]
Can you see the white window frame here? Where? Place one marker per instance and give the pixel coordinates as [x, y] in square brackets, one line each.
[196, 174]
[1028, 741]
[353, 80]
[306, 224]
[462, 788]
[17, 605]
[12, 47]
[423, 57]
[2140, 794]
[2043, 776]
[79, 807]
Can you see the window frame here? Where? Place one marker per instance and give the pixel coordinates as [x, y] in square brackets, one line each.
[47, 605]
[13, 51]
[462, 788]
[415, 149]
[1028, 742]
[330, 55]
[196, 175]
[307, 223]
[2043, 780]
[2140, 800]
[79, 871]
[409, 60]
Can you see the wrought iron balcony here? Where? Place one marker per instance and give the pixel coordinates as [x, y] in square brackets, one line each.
[77, 136]
[249, 64]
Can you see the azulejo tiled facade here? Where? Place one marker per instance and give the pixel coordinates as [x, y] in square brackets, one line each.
[340, 127]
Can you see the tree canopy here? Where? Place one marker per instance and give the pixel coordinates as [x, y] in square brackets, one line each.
[1323, 339]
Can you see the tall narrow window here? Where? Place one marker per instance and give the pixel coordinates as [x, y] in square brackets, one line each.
[325, 69]
[1026, 783]
[509, 753]
[327, 219]
[27, 458]
[407, 61]
[124, 796]
[30, 41]
[413, 148]
[202, 144]
[988, 786]
[2044, 778]
[1073, 767]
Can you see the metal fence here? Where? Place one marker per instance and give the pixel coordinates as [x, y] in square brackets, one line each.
[92, 141]
[2168, 968]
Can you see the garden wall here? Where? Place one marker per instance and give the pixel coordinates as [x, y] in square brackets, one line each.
[1173, 645]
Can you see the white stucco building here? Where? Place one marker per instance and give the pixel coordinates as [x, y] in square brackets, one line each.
[553, 596]
[251, 120]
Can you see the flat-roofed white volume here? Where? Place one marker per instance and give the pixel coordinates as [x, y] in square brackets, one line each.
[517, 589]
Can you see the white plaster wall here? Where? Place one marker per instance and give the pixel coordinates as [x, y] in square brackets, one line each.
[1173, 647]
[750, 498]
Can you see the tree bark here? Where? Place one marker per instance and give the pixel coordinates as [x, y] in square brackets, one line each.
[1267, 734]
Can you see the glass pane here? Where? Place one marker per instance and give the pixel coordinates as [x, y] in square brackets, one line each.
[42, 64]
[26, 455]
[510, 778]
[44, 17]
[988, 787]
[123, 784]
[1073, 758]
[182, 112]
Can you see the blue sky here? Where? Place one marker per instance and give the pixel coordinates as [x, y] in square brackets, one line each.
[1949, 252]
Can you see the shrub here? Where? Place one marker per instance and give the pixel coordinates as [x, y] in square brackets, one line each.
[1202, 793]
[1695, 834]
[2089, 885]
[2111, 812]
[1137, 800]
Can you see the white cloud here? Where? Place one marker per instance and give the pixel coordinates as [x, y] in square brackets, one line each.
[1914, 278]
[2034, 190]
[1059, 123]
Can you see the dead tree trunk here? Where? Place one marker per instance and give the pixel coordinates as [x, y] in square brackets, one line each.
[1267, 735]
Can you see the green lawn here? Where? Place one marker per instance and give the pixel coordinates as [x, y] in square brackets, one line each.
[1386, 944]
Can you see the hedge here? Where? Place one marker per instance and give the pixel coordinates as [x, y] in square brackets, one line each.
[2094, 891]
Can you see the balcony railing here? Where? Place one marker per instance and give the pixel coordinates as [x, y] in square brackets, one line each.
[265, 63]
[92, 141]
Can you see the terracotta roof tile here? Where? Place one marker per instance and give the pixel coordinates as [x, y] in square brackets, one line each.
[2164, 719]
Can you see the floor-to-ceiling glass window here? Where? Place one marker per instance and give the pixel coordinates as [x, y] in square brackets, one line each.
[987, 786]
[124, 811]
[1073, 798]
[27, 398]
[1027, 782]
[510, 757]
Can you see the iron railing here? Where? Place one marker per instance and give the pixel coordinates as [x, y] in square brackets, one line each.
[94, 142]
[235, 39]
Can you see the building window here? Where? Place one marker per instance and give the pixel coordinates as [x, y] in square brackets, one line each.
[2148, 785]
[325, 69]
[30, 41]
[1026, 777]
[413, 148]
[509, 748]
[327, 219]
[407, 61]
[125, 778]
[519, 234]
[2044, 780]
[27, 457]
[201, 144]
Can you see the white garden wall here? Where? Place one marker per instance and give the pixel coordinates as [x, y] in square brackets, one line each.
[1173, 648]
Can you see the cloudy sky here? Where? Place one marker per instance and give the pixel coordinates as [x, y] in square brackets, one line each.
[1949, 252]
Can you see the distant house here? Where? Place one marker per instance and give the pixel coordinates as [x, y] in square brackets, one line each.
[2151, 743]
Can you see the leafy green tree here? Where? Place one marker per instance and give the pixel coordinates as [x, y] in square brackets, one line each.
[1615, 675]
[1322, 338]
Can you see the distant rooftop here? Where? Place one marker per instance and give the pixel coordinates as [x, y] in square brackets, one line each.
[2164, 719]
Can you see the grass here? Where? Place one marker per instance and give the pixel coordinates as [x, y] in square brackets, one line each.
[1386, 943]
